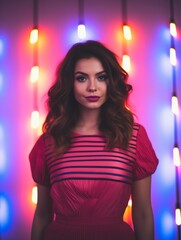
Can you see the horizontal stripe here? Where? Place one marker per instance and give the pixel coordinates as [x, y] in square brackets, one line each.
[93, 167]
[71, 154]
[91, 173]
[87, 178]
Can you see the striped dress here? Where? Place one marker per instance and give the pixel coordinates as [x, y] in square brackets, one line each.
[90, 185]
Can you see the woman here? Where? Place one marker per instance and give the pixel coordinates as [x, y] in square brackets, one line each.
[92, 155]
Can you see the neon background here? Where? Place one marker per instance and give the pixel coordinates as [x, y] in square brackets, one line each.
[151, 98]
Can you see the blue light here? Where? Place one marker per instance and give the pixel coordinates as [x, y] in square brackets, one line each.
[167, 166]
[73, 36]
[5, 213]
[2, 46]
[168, 224]
[1, 82]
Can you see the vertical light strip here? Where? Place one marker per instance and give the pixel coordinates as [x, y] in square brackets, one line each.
[5, 213]
[126, 65]
[34, 78]
[127, 36]
[35, 70]
[175, 111]
[81, 29]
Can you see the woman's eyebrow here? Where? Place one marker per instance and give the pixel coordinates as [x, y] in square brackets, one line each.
[101, 72]
[79, 72]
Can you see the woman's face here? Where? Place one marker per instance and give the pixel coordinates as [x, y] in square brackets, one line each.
[90, 83]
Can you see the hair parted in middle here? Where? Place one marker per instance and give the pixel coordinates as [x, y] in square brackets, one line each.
[116, 120]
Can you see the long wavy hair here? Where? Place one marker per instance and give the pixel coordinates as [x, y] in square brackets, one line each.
[116, 120]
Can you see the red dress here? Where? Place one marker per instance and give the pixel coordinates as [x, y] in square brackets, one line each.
[90, 186]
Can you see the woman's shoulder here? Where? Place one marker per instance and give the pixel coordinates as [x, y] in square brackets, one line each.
[137, 127]
[43, 140]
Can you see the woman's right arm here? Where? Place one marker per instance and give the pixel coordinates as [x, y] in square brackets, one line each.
[43, 213]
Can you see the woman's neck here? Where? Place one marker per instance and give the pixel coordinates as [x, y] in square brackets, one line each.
[88, 122]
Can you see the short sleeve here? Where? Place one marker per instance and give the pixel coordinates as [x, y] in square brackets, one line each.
[38, 162]
[146, 159]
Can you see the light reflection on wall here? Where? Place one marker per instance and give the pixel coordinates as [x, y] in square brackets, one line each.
[168, 224]
[3, 160]
[5, 213]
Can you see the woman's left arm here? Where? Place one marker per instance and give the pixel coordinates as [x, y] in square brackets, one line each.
[142, 213]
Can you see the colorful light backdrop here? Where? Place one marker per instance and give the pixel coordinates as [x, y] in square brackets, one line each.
[151, 98]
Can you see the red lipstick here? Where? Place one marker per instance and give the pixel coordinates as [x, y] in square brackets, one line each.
[92, 98]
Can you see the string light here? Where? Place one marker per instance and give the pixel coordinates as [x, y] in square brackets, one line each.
[126, 63]
[173, 29]
[127, 32]
[34, 78]
[35, 119]
[178, 216]
[34, 196]
[175, 107]
[130, 202]
[34, 36]
[176, 156]
[81, 29]
[173, 59]
[175, 111]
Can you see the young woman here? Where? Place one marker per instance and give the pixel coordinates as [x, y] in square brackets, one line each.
[92, 155]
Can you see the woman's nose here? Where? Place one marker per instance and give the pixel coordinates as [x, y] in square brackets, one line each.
[92, 86]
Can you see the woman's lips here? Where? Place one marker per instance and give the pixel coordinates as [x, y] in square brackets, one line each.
[92, 98]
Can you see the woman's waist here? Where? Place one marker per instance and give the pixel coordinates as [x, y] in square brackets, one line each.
[93, 220]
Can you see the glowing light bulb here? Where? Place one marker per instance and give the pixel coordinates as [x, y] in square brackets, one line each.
[35, 119]
[34, 76]
[34, 196]
[127, 32]
[173, 29]
[81, 31]
[173, 59]
[34, 36]
[176, 156]
[175, 108]
[130, 202]
[126, 63]
[178, 216]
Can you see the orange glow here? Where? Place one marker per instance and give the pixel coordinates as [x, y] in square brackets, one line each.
[34, 196]
[127, 32]
[34, 36]
[128, 214]
[34, 76]
[126, 63]
[35, 119]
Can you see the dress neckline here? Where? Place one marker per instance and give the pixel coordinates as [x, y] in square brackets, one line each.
[74, 133]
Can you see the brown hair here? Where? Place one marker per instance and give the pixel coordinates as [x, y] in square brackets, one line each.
[116, 120]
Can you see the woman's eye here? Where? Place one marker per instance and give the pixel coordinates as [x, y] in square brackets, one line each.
[102, 77]
[80, 78]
